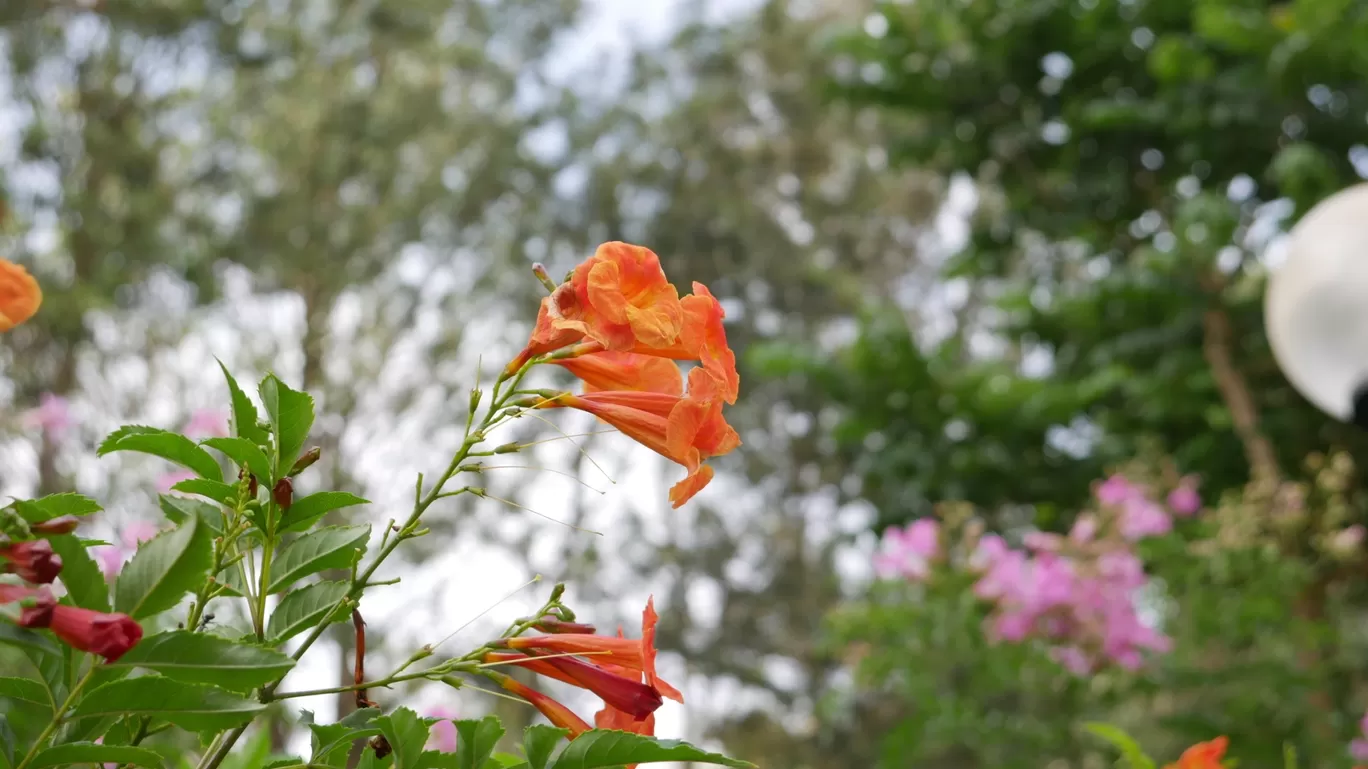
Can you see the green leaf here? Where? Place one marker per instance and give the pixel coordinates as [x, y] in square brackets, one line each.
[1131, 752]
[602, 748]
[540, 741]
[91, 753]
[291, 414]
[47, 659]
[205, 659]
[6, 744]
[163, 570]
[435, 759]
[177, 509]
[282, 763]
[332, 547]
[55, 505]
[505, 761]
[304, 609]
[193, 707]
[26, 690]
[162, 443]
[333, 742]
[244, 454]
[407, 734]
[244, 413]
[307, 510]
[27, 640]
[223, 493]
[475, 740]
[84, 581]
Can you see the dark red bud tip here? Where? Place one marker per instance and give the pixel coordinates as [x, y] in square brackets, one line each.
[62, 524]
[37, 609]
[283, 493]
[33, 561]
[252, 485]
[306, 460]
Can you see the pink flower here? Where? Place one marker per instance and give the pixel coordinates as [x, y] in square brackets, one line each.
[908, 552]
[206, 423]
[1116, 490]
[443, 734]
[53, 416]
[1183, 500]
[1142, 518]
[112, 557]
[138, 532]
[1084, 529]
[1074, 659]
[1358, 750]
[166, 480]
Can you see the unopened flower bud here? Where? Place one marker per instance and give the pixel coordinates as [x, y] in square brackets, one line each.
[62, 524]
[36, 610]
[539, 270]
[283, 493]
[556, 626]
[475, 395]
[305, 461]
[508, 448]
[33, 561]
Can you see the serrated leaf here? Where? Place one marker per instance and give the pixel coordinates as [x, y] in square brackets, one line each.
[28, 640]
[475, 740]
[1130, 750]
[332, 547]
[205, 659]
[435, 759]
[47, 660]
[504, 761]
[27, 690]
[281, 763]
[231, 578]
[193, 707]
[332, 742]
[223, 493]
[407, 734]
[244, 454]
[92, 753]
[55, 505]
[307, 510]
[291, 414]
[244, 412]
[165, 444]
[163, 570]
[84, 581]
[601, 748]
[369, 761]
[177, 509]
[540, 741]
[303, 609]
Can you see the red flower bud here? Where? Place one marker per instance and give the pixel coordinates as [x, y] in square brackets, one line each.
[33, 561]
[108, 635]
[619, 692]
[306, 461]
[283, 493]
[37, 609]
[62, 524]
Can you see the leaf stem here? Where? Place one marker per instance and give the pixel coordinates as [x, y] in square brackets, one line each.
[57, 717]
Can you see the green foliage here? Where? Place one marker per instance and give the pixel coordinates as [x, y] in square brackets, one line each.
[302, 609]
[244, 413]
[539, 742]
[331, 547]
[244, 453]
[177, 509]
[333, 742]
[291, 414]
[406, 734]
[194, 707]
[205, 659]
[475, 741]
[55, 505]
[597, 749]
[167, 445]
[306, 511]
[89, 752]
[1131, 751]
[84, 581]
[163, 570]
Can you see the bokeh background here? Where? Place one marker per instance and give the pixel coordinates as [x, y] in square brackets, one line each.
[977, 251]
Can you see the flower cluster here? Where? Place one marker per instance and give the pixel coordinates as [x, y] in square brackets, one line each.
[1076, 593]
[33, 560]
[621, 671]
[619, 325]
[20, 295]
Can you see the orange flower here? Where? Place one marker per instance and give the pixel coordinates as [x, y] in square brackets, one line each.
[555, 712]
[624, 299]
[635, 657]
[692, 429]
[1203, 755]
[612, 370]
[20, 295]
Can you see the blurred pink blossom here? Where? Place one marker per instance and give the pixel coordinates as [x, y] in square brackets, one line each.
[1184, 500]
[206, 423]
[443, 734]
[1142, 518]
[1116, 490]
[111, 558]
[166, 480]
[907, 552]
[53, 416]
[1358, 749]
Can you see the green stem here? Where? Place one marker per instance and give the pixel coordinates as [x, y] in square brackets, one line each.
[267, 550]
[223, 744]
[57, 717]
[392, 679]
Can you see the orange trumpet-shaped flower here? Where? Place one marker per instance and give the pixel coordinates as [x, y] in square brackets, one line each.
[625, 371]
[624, 656]
[20, 295]
[624, 299]
[692, 430]
[1203, 755]
[555, 712]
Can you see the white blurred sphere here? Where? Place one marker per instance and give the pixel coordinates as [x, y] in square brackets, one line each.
[1316, 305]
